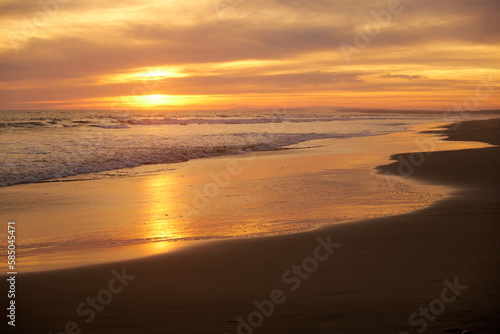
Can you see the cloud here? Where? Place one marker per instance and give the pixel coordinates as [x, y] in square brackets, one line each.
[26, 8]
[401, 76]
[88, 40]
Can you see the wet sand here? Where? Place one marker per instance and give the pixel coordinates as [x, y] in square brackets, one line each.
[371, 277]
[96, 218]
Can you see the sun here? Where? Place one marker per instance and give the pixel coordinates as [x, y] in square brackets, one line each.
[150, 100]
[155, 99]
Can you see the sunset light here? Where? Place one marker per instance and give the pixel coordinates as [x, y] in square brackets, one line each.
[250, 166]
[91, 54]
[150, 100]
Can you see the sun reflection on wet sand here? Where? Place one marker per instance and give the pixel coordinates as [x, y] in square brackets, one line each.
[113, 219]
[163, 221]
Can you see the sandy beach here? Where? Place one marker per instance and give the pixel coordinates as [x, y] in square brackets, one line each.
[127, 213]
[432, 270]
[246, 167]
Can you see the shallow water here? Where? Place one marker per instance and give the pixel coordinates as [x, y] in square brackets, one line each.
[43, 145]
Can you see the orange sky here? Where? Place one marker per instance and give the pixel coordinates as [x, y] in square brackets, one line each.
[131, 54]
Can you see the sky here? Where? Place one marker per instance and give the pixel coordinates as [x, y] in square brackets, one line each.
[215, 54]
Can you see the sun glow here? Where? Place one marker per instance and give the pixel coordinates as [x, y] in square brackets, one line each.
[150, 100]
[143, 75]
[155, 101]
[157, 73]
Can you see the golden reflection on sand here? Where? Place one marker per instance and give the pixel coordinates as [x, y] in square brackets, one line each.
[163, 223]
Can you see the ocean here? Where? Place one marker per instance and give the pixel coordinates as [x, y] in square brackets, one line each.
[38, 146]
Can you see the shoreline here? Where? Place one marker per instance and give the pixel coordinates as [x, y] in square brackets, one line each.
[162, 200]
[384, 270]
[78, 173]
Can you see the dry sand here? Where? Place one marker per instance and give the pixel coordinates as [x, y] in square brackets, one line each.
[384, 270]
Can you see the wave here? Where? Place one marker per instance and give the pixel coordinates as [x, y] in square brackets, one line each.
[124, 122]
[101, 158]
[225, 120]
[46, 145]
[117, 126]
[22, 124]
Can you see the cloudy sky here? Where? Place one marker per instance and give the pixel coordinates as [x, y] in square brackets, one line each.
[172, 54]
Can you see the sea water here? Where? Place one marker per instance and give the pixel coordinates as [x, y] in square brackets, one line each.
[43, 145]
